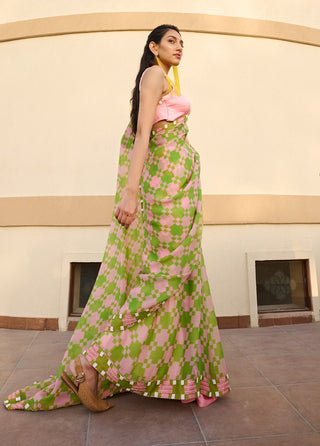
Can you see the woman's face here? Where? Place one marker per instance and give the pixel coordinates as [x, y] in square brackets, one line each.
[170, 48]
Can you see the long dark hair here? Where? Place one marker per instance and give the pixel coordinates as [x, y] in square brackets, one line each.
[147, 60]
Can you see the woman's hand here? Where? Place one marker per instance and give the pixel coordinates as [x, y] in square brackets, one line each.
[127, 207]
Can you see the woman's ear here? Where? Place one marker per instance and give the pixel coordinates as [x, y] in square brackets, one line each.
[153, 47]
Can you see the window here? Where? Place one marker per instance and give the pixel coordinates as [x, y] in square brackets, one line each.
[282, 285]
[82, 279]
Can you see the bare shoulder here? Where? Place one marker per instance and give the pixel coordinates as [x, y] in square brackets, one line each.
[153, 76]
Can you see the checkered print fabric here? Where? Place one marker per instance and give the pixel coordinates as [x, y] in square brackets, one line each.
[149, 326]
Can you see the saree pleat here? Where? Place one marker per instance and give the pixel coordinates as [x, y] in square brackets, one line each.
[149, 326]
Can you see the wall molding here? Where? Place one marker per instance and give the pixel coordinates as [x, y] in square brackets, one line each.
[146, 21]
[29, 323]
[217, 210]
[34, 323]
[224, 322]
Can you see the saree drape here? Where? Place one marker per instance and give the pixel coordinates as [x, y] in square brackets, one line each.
[149, 326]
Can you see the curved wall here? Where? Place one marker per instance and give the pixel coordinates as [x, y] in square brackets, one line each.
[288, 11]
[254, 103]
[65, 103]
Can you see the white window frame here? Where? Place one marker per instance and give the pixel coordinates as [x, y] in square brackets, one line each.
[252, 257]
[67, 259]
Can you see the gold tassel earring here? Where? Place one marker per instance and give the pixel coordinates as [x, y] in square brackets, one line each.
[176, 82]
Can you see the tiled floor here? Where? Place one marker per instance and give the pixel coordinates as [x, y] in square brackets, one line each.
[274, 401]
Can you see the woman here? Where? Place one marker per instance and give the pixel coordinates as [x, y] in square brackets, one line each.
[149, 326]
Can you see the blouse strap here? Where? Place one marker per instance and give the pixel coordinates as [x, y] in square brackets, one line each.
[171, 85]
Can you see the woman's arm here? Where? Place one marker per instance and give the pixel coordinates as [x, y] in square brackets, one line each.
[150, 93]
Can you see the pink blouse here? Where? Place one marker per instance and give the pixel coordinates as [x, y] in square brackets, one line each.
[170, 107]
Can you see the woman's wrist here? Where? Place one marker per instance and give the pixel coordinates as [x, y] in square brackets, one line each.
[132, 190]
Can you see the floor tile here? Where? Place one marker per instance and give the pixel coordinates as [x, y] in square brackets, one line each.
[21, 378]
[177, 443]
[288, 369]
[52, 337]
[53, 428]
[306, 398]
[243, 374]
[253, 414]
[141, 421]
[54, 436]
[249, 412]
[22, 337]
[43, 354]
[10, 355]
[4, 375]
[230, 349]
[62, 420]
[286, 440]
[256, 331]
[279, 343]
[299, 328]
[310, 339]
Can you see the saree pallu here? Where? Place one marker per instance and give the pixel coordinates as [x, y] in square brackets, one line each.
[149, 326]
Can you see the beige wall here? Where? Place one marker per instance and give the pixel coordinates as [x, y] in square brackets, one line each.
[33, 276]
[65, 104]
[254, 121]
[226, 246]
[32, 263]
[289, 11]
